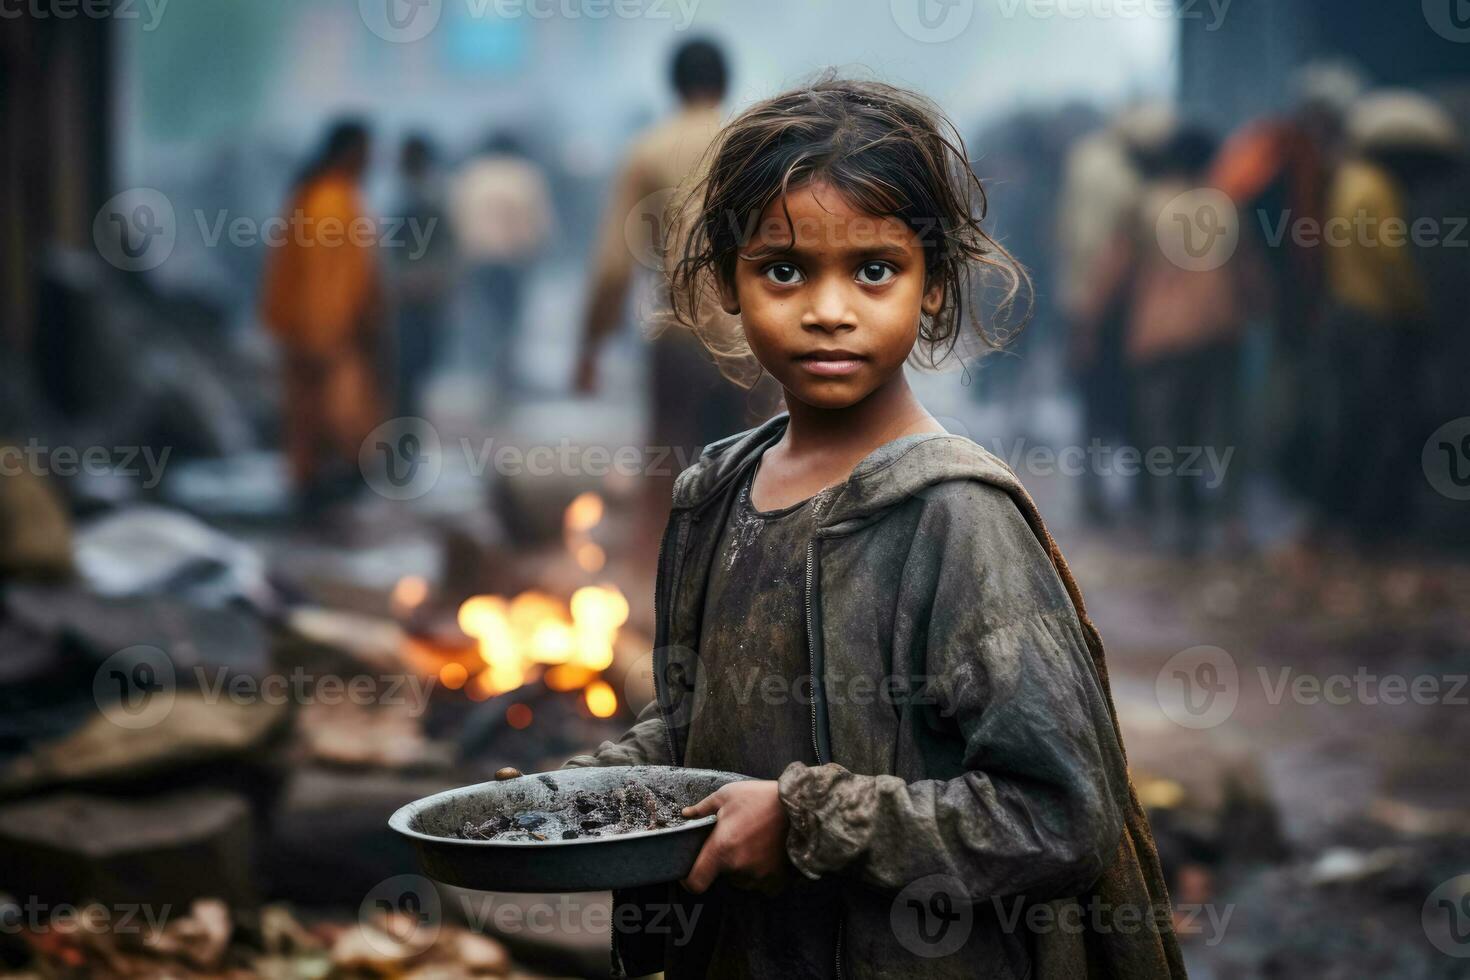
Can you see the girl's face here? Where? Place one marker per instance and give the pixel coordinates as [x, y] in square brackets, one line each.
[830, 301]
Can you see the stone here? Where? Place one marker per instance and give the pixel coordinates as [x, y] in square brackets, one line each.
[194, 730]
[163, 850]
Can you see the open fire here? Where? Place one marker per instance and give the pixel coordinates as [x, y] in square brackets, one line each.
[566, 644]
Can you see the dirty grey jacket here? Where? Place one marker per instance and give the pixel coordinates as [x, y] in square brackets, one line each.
[973, 788]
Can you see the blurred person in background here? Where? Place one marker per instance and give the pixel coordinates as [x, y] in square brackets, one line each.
[1379, 329]
[323, 299]
[423, 271]
[691, 404]
[1276, 170]
[1181, 344]
[1100, 193]
[503, 219]
[1020, 157]
[1445, 196]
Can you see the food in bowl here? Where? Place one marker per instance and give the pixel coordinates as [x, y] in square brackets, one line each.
[630, 808]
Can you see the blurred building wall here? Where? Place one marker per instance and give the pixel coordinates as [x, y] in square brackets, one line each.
[54, 152]
[1241, 65]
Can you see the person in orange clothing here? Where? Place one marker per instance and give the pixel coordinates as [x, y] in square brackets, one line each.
[1381, 340]
[322, 301]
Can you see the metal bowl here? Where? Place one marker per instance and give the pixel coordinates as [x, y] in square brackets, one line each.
[579, 865]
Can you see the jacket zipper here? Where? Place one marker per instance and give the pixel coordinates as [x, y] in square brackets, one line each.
[661, 635]
[618, 970]
[811, 647]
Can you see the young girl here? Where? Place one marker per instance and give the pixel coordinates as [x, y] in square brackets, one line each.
[865, 613]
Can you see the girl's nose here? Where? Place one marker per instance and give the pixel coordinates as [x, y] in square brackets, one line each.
[829, 308]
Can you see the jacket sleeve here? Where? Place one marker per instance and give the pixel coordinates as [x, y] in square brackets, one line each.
[1038, 810]
[645, 744]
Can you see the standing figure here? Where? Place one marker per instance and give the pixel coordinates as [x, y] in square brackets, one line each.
[423, 272]
[1100, 191]
[691, 404]
[1276, 171]
[1182, 326]
[502, 214]
[865, 614]
[323, 299]
[1379, 325]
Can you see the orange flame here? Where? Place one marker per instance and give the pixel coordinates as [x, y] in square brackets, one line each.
[601, 700]
[519, 637]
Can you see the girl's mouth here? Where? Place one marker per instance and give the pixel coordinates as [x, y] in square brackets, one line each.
[831, 363]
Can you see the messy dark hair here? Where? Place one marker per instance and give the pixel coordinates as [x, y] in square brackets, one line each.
[891, 153]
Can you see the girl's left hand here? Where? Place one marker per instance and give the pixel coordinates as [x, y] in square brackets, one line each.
[749, 839]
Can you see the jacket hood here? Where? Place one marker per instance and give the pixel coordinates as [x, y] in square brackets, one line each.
[887, 476]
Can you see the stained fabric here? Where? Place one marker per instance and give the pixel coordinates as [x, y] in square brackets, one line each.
[753, 675]
[985, 782]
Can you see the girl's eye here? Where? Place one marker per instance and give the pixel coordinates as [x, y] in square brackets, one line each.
[783, 273]
[875, 273]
